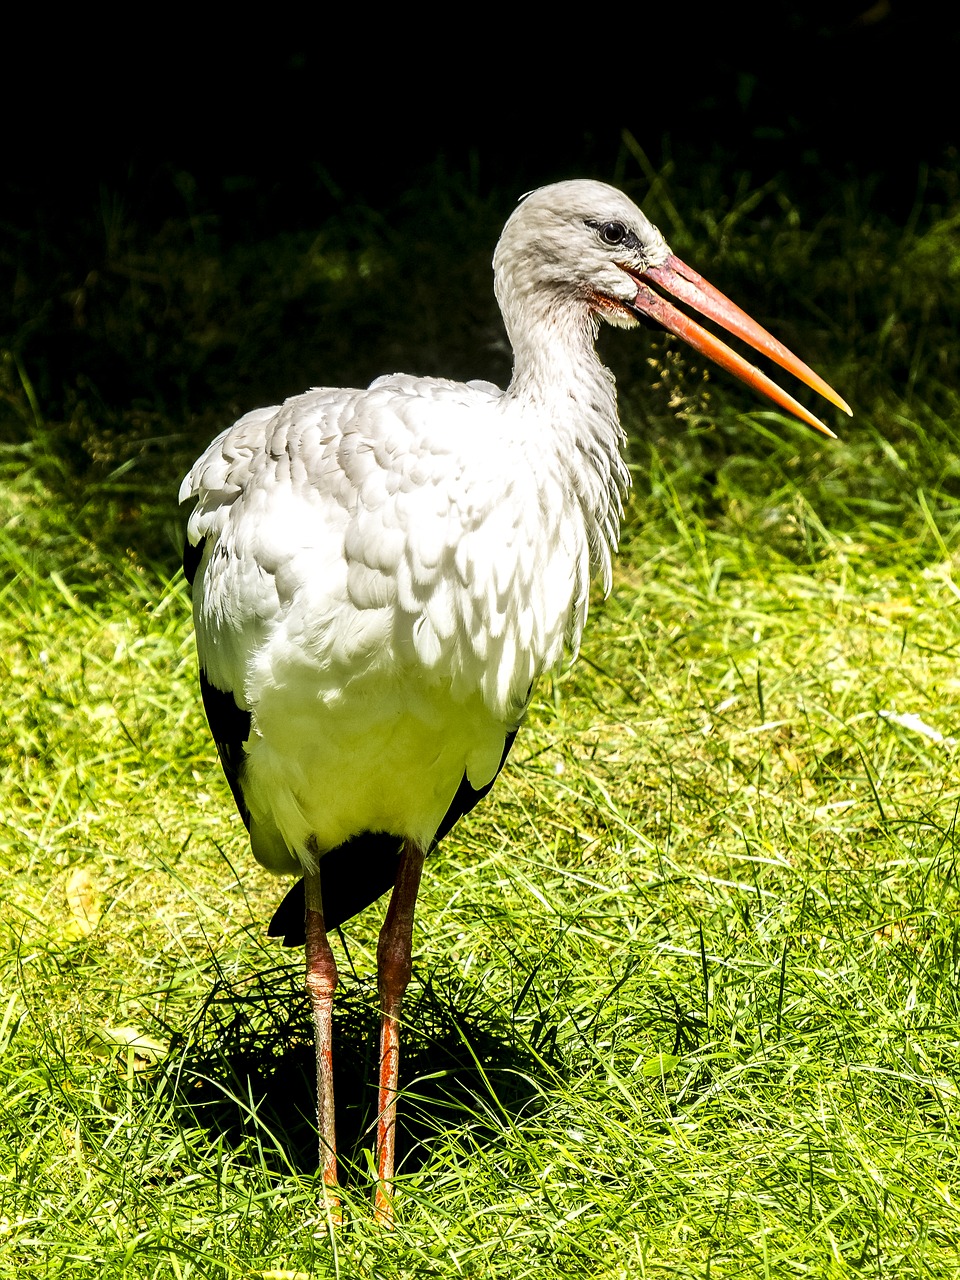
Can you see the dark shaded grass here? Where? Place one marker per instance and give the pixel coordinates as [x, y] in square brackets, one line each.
[245, 1069]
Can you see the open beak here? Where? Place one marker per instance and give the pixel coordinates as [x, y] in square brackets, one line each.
[684, 283]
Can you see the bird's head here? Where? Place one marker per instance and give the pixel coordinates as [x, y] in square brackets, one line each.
[584, 246]
[579, 241]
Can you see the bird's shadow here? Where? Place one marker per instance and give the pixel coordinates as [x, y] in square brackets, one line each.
[245, 1070]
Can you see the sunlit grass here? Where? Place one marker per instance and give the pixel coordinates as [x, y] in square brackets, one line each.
[685, 990]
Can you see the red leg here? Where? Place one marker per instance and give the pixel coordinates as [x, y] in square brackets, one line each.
[393, 975]
[321, 982]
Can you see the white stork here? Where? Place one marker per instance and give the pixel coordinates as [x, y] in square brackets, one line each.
[380, 577]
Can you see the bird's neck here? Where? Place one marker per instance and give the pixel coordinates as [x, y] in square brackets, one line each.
[568, 399]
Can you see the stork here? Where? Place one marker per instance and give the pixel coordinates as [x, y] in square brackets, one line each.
[381, 576]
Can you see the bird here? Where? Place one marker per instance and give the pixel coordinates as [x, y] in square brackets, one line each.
[381, 576]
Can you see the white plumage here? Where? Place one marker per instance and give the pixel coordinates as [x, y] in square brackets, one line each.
[386, 573]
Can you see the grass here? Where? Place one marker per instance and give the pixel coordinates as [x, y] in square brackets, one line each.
[685, 997]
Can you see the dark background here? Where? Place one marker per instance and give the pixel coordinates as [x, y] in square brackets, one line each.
[842, 86]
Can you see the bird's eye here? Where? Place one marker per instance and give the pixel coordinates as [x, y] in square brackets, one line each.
[613, 233]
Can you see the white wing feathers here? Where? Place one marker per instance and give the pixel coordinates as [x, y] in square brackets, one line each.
[402, 525]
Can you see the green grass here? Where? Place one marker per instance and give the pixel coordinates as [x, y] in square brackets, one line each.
[685, 997]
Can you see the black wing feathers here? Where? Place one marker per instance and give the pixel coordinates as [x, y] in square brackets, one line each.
[468, 796]
[230, 726]
[192, 555]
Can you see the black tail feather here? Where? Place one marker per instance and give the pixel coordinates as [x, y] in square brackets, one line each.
[351, 877]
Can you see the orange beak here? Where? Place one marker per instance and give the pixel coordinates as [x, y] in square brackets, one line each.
[684, 283]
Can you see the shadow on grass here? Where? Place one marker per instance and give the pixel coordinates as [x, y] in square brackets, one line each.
[245, 1071]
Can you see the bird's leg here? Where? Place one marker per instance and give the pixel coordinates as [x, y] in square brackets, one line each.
[321, 982]
[393, 975]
